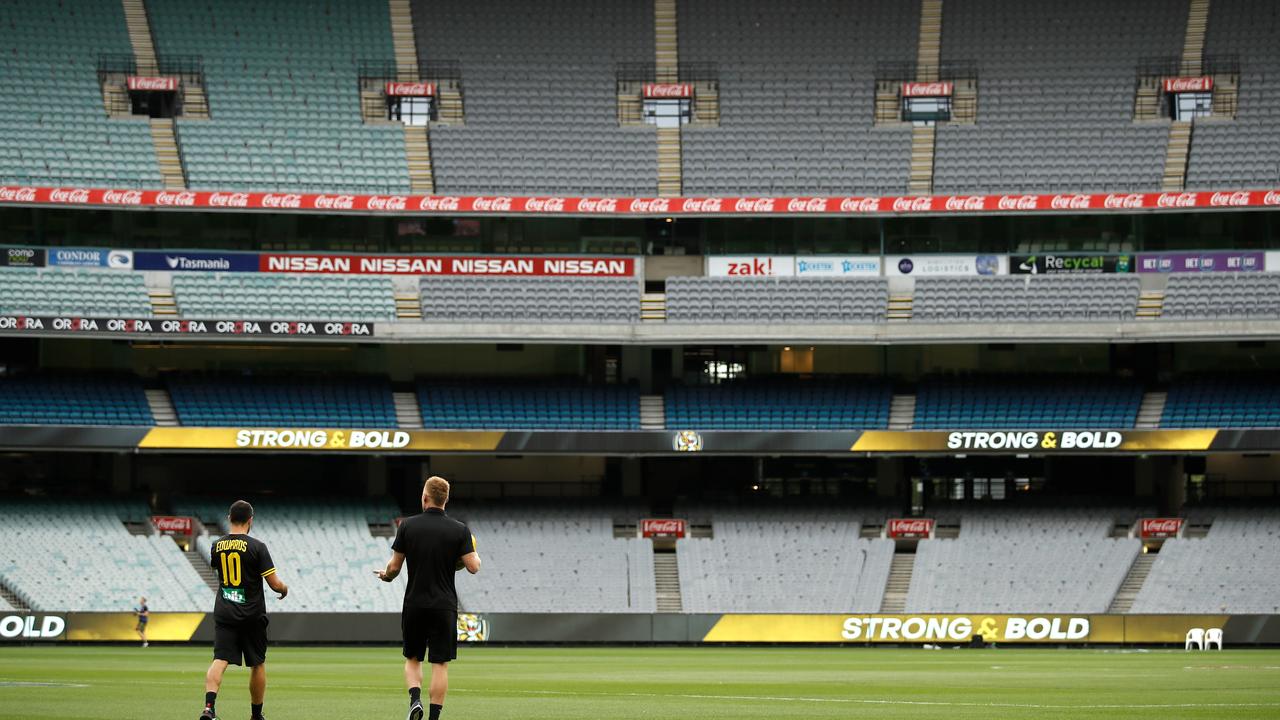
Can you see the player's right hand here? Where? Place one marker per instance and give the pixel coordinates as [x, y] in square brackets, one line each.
[284, 591]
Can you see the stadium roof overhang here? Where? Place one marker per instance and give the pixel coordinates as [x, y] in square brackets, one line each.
[864, 443]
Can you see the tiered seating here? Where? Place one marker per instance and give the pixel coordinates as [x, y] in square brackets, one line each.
[284, 106]
[1233, 296]
[1009, 299]
[78, 556]
[797, 95]
[490, 405]
[1055, 95]
[322, 549]
[225, 401]
[1016, 402]
[73, 400]
[1023, 560]
[1235, 569]
[1223, 401]
[285, 297]
[1242, 153]
[779, 405]
[776, 300]
[596, 300]
[54, 129]
[86, 293]
[556, 559]
[541, 113]
[781, 560]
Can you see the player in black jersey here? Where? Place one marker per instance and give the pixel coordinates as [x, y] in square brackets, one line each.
[242, 564]
[435, 546]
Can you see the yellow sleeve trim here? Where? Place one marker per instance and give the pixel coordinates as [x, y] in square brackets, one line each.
[272, 571]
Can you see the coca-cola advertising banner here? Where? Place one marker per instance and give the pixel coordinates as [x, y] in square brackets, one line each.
[22, 257]
[45, 324]
[1052, 264]
[446, 265]
[668, 91]
[172, 524]
[1159, 527]
[909, 527]
[662, 527]
[751, 265]
[653, 207]
[1216, 261]
[411, 89]
[1203, 83]
[927, 89]
[942, 265]
[152, 84]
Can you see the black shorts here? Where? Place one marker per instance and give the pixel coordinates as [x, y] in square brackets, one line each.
[248, 640]
[433, 629]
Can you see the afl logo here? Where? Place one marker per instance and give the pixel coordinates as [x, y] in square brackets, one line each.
[472, 628]
[687, 441]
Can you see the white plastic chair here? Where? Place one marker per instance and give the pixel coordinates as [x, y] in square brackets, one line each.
[1195, 636]
[1213, 636]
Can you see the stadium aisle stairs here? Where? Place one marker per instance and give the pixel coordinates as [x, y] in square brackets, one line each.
[895, 590]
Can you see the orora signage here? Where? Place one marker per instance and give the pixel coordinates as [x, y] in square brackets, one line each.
[636, 206]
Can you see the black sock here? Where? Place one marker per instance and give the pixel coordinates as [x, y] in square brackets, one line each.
[435, 712]
[257, 711]
[415, 694]
[209, 699]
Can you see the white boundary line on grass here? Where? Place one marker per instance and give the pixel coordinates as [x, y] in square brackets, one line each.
[856, 701]
[764, 698]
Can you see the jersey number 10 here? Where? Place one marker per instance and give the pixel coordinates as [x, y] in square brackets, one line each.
[231, 569]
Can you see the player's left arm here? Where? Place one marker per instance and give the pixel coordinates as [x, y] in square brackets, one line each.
[269, 574]
[393, 567]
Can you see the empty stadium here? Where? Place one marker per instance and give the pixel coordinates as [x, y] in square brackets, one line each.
[769, 348]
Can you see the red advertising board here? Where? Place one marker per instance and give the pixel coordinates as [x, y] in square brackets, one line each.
[910, 527]
[449, 265]
[156, 84]
[640, 207]
[928, 89]
[173, 524]
[662, 527]
[668, 90]
[1204, 83]
[411, 89]
[1159, 527]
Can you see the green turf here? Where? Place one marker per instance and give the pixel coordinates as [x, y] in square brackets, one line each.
[496, 683]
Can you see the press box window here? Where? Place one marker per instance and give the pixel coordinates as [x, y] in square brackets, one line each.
[154, 97]
[930, 109]
[411, 103]
[668, 105]
[1189, 106]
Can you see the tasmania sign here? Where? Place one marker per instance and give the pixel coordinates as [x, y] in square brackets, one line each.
[909, 527]
[662, 527]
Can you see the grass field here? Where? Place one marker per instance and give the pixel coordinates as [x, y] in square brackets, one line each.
[494, 683]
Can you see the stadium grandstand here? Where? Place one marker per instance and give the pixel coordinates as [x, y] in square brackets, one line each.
[729, 322]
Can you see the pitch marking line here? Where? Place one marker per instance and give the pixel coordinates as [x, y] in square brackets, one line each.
[855, 701]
